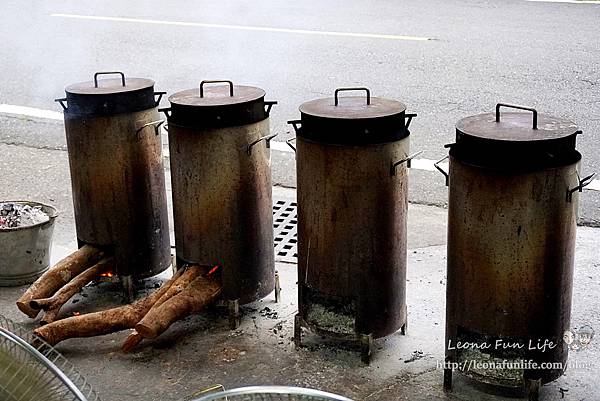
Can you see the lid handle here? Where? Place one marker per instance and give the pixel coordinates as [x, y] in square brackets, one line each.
[108, 73]
[216, 82]
[338, 90]
[514, 106]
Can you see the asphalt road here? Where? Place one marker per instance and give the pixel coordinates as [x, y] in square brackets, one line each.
[540, 54]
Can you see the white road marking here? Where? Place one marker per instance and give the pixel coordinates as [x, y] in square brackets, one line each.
[566, 1]
[425, 164]
[416, 164]
[281, 147]
[30, 112]
[594, 186]
[242, 27]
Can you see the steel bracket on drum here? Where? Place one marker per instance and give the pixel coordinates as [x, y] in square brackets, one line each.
[266, 138]
[406, 160]
[579, 188]
[155, 124]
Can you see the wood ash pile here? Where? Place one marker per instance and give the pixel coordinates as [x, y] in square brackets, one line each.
[13, 215]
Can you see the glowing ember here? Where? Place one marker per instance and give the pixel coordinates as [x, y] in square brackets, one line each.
[76, 313]
[107, 274]
[213, 270]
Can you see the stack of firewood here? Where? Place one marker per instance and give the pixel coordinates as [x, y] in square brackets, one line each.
[189, 291]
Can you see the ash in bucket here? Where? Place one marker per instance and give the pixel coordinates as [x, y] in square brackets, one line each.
[13, 215]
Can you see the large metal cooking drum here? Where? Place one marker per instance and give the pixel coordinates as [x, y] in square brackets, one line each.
[513, 184]
[117, 171]
[222, 196]
[352, 155]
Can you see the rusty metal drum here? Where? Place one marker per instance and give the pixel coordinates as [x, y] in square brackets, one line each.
[219, 141]
[352, 183]
[117, 175]
[513, 192]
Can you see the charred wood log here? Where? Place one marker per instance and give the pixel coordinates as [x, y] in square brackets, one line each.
[189, 274]
[53, 304]
[200, 293]
[103, 322]
[59, 275]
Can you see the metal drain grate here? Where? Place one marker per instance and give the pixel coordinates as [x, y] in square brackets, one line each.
[286, 237]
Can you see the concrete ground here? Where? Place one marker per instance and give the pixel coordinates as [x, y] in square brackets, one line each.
[201, 351]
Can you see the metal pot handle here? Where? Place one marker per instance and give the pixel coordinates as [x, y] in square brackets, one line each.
[216, 82]
[441, 170]
[166, 110]
[338, 90]
[266, 138]
[409, 119]
[160, 95]
[405, 160]
[289, 143]
[296, 124]
[108, 73]
[579, 188]
[156, 125]
[514, 106]
[60, 101]
[269, 105]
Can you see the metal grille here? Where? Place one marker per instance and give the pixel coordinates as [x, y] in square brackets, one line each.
[31, 370]
[272, 393]
[285, 220]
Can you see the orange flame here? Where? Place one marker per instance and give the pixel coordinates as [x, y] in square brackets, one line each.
[107, 274]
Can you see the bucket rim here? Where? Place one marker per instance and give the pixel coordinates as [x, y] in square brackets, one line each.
[48, 209]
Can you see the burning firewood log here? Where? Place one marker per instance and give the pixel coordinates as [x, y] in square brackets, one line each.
[53, 304]
[188, 292]
[190, 273]
[200, 293]
[103, 322]
[59, 275]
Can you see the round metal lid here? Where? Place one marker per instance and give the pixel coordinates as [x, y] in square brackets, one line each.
[218, 106]
[353, 120]
[109, 86]
[106, 97]
[515, 140]
[516, 126]
[217, 96]
[352, 107]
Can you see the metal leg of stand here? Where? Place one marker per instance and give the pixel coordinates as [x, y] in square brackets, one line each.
[533, 389]
[277, 288]
[128, 289]
[298, 330]
[448, 375]
[366, 347]
[233, 307]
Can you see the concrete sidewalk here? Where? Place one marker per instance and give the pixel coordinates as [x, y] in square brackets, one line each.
[202, 351]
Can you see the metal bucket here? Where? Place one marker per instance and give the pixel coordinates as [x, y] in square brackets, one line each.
[25, 253]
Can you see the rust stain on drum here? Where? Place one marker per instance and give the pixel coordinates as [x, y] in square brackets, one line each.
[511, 241]
[352, 231]
[119, 189]
[222, 203]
